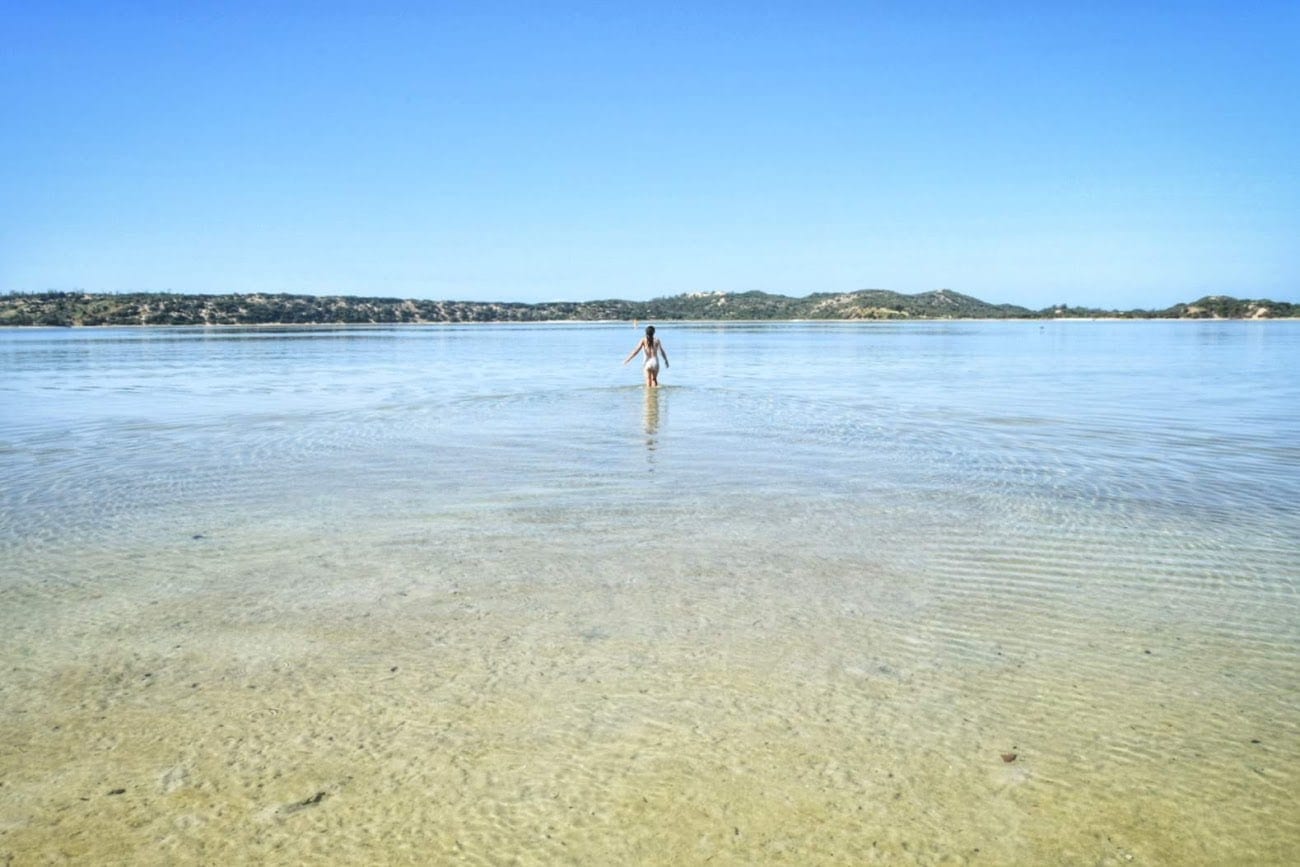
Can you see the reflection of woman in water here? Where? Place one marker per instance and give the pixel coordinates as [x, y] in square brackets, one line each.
[653, 349]
[651, 417]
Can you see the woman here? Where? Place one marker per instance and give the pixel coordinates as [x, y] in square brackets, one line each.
[653, 349]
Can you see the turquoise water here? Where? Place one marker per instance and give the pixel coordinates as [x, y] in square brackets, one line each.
[796, 603]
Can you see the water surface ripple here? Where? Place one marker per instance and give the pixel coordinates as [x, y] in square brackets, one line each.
[439, 593]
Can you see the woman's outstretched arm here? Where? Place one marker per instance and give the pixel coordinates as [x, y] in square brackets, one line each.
[664, 353]
[632, 355]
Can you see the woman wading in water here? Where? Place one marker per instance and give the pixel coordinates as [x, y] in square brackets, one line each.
[653, 349]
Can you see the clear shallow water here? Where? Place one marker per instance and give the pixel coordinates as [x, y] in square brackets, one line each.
[498, 603]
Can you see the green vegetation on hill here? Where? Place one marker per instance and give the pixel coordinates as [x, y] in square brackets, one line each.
[78, 308]
[1223, 307]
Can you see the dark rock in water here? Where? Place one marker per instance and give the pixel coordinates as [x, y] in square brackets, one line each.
[394, 668]
[1009, 757]
[198, 536]
[303, 804]
[117, 791]
[1256, 741]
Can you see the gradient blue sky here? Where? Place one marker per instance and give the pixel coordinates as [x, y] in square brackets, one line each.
[1112, 154]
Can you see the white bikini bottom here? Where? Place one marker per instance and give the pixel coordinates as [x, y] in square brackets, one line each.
[652, 365]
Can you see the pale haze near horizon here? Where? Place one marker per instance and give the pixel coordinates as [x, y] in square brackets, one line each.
[1021, 153]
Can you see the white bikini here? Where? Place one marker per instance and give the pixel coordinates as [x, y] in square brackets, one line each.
[652, 359]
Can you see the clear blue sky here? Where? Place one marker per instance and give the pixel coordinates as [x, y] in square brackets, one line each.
[1113, 154]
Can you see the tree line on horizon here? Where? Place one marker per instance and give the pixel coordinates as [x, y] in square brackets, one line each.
[162, 308]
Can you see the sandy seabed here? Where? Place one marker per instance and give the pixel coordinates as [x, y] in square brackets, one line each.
[540, 689]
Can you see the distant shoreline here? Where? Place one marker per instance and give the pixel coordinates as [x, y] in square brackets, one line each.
[82, 309]
[803, 320]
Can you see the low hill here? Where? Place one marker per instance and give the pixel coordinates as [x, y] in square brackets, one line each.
[865, 304]
[79, 308]
[1223, 307]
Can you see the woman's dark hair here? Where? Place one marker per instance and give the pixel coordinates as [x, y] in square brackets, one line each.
[650, 334]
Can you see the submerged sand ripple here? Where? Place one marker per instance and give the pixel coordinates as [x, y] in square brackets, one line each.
[477, 703]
